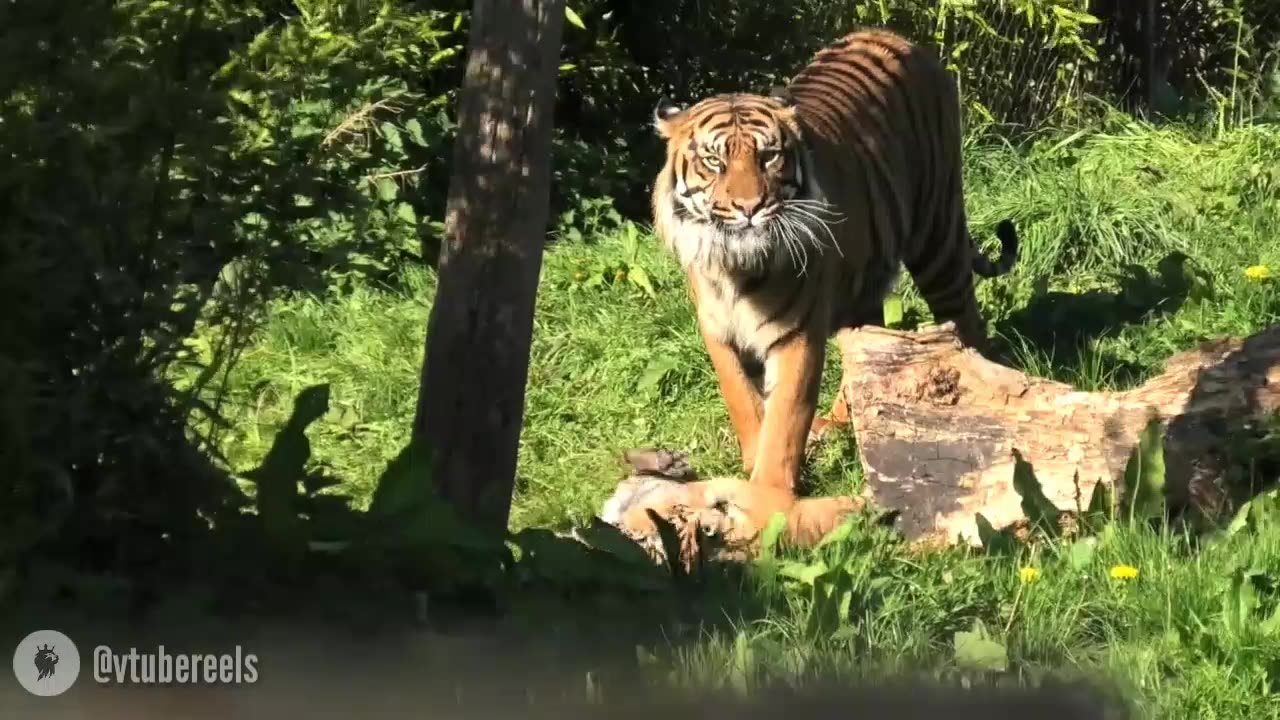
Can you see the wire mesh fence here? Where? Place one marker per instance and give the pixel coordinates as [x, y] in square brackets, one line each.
[1025, 62]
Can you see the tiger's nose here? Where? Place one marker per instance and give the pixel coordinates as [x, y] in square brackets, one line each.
[749, 206]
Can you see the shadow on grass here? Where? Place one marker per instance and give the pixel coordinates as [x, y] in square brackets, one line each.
[1223, 446]
[402, 605]
[305, 552]
[1061, 325]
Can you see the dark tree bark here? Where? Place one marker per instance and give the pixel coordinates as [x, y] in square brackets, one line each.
[476, 360]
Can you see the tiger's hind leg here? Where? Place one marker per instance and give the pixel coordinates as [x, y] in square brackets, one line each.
[838, 417]
[864, 306]
[953, 299]
[867, 309]
[943, 271]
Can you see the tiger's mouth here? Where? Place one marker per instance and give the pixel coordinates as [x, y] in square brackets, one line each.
[726, 220]
[741, 222]
[797, 230]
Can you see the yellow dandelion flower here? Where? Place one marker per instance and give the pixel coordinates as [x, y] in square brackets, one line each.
[1124, 572]
[1029, 574]
[1257, 272]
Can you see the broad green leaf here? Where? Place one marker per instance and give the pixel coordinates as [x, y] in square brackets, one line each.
[391, 134]
[974, 650]
[640, 279]
[656, 371]
[1240, 602]
[844, 603]
[893, 310]
[565, 560]
[838, 534]
[1107, 535]
[1144, 476]
[405, 212]
[553, 557]
[807, 573]
[441, 56]
[1256, 513]
[1081, 553]
[1269, 627]
[573, 18]
[630, 242]
[387, 189]
[1101, 505]
[1075, 16]
[414, 128]
[244, 97]
[772, 534]
[743, 664]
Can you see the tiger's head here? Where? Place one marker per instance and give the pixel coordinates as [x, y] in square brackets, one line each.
[735, 190]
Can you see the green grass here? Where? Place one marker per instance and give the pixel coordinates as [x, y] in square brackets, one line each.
[615, 367]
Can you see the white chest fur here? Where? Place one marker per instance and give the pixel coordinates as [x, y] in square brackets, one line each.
[754, 321]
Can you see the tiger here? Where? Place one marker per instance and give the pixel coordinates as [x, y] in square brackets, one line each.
[790, 213]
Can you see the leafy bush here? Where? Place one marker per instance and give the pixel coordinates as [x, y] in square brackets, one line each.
[168, 165]
[113, 234]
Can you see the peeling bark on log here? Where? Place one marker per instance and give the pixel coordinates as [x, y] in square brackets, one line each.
[937, 426]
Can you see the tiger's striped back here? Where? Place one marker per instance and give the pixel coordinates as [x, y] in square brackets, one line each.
[895, 106]
[791, 214]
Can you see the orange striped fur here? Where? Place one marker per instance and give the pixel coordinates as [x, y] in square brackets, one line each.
[791, 214]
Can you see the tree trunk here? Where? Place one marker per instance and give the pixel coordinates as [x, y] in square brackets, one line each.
[937, 426]
[476, 360]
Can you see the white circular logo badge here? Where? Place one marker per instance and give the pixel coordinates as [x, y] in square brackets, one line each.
[46, 663]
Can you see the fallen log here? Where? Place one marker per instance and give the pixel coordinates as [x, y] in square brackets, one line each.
[938, 425]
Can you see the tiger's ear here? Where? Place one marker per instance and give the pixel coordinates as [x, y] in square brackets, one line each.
[781, 95]
[664, 115]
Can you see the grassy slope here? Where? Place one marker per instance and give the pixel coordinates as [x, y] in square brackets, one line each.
[613, 367]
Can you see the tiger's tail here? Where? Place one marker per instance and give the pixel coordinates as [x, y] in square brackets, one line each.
[988, 268]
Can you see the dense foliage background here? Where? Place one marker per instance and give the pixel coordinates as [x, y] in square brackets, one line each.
[169, 165]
